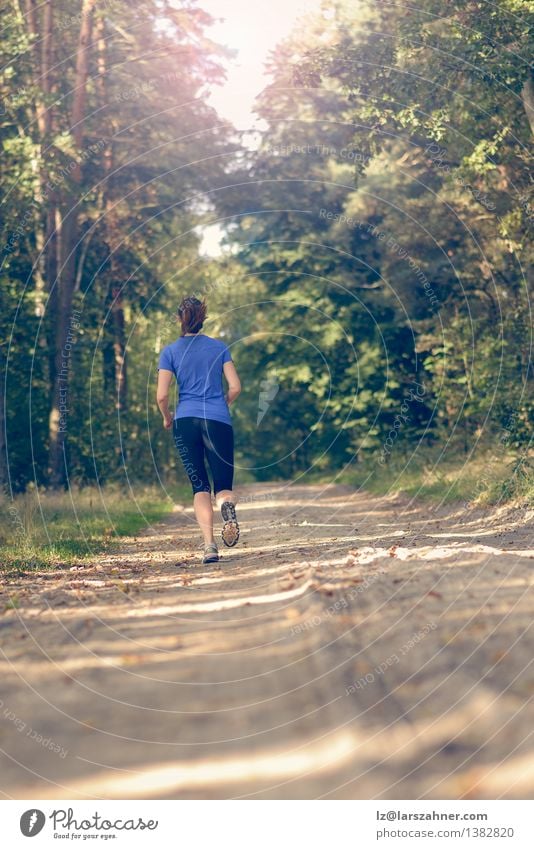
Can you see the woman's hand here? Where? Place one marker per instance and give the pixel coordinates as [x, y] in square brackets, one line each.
[167, 421]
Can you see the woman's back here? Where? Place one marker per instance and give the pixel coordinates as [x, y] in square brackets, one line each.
[202, 426]
[197, 362]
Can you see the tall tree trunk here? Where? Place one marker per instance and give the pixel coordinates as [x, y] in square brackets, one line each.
[114, 366]
[527, 95]
[115, 345]
[46, 219]
[119, 349]
[3, 458]
[41, 31]
[66, 279]
[108, 363]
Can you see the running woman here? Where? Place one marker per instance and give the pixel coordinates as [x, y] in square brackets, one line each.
[202, 426]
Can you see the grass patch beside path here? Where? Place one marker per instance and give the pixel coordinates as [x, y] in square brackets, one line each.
[51, 529]
[479, 481]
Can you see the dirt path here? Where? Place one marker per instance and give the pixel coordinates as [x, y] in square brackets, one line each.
[351, 647]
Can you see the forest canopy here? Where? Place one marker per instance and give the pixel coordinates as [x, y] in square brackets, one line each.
[375, 280]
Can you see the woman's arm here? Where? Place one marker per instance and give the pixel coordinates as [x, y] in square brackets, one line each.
[162, 396]
[234, 384]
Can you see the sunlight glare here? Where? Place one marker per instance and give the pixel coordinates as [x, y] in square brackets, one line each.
[253, 32]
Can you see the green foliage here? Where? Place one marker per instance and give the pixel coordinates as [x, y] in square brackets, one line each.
[138, 188]
[388, 204]
[376, 283]
[45, 529]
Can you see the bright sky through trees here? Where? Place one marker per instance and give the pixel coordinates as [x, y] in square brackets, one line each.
[252, 29]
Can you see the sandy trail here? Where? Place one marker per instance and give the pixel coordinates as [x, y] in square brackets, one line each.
[351, 647]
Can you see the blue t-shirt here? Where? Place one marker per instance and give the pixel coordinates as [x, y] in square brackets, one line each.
[197, 363]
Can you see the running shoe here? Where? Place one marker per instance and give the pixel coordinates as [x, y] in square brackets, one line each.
[211, 553]
[230, 531]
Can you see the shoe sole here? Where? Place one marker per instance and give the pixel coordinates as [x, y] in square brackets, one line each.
[231, 526]
[231, 529]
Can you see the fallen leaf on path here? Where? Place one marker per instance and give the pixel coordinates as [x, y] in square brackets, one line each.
[124, 588]
[324, 590]
[434, 594]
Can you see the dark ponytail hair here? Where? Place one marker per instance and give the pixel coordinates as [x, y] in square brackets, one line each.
[192, 314]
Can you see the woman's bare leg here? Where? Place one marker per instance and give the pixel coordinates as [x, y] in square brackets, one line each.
[224, 495]
[204, 515]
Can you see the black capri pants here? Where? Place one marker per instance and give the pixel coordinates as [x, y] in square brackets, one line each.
[198, 440]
